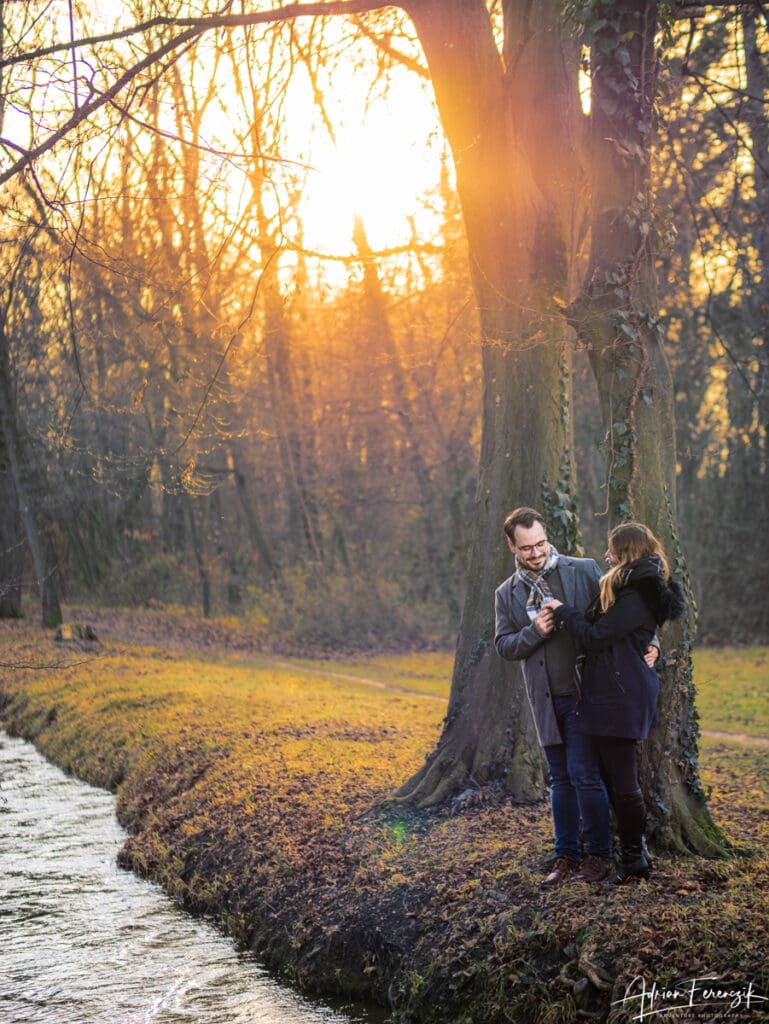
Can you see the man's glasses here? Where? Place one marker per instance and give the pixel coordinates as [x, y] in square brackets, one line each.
[526, 549]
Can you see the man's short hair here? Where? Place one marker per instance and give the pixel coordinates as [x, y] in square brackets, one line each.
[525, 517]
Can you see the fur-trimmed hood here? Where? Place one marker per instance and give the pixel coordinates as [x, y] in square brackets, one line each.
[665, 598]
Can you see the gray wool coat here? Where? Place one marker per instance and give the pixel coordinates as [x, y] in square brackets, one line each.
[517, 638]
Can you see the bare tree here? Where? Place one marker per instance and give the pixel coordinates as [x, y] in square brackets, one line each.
[25, 473]
[512, 117]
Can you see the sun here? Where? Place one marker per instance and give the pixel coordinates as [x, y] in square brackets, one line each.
[385, 157]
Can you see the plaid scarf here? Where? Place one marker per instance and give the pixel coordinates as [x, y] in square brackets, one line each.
[537, 585]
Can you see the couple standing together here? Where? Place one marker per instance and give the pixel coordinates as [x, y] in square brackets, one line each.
[588, 645]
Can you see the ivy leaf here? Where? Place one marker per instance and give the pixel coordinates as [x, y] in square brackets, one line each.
[628, 329]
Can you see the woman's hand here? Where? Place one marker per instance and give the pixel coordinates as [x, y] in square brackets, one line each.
[652, 653]
[544, 622]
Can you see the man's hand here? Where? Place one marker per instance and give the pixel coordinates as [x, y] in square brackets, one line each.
[545, 622]
[652, 653]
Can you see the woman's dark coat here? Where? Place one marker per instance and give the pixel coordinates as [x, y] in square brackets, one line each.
[618, 691]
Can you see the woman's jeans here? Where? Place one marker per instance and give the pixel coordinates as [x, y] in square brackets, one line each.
[577, 790]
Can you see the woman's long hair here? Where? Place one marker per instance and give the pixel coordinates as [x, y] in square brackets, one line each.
[629, 542]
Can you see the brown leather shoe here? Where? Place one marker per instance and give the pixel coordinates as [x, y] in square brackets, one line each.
[563, 871]
[594, 869]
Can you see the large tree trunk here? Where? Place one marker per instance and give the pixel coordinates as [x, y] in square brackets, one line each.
[506, 123]
[616, 316]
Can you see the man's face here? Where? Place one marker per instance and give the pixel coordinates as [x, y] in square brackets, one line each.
[531, 546]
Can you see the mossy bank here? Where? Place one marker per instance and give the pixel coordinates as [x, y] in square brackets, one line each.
[256, 793]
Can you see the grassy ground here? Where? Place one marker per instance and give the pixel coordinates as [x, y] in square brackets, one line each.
[254, 792]
[732, 683]
[733, 689]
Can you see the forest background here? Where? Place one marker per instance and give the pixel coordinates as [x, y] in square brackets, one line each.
[240, 359]
[297, 302]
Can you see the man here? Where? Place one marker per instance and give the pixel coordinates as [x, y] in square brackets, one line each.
[525, 630]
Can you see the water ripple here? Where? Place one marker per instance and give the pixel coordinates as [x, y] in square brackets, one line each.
[84, 942]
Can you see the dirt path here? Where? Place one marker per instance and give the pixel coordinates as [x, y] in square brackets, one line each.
[733, 737]
[736, 737]
[350, 678]
[190, 635]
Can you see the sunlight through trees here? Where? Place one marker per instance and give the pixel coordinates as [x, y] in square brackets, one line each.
[298, 302]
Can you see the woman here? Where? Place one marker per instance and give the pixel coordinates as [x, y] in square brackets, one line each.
[618, 692]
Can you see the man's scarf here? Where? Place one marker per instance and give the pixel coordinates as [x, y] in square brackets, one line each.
[537, 585]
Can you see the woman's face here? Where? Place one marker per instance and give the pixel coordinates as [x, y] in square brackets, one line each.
[610, 558]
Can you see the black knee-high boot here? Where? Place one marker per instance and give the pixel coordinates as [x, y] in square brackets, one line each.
[630, 811]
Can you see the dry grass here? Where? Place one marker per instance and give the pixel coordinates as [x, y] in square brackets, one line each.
[254, 793]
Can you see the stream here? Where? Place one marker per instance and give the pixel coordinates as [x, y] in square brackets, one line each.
[84, 942]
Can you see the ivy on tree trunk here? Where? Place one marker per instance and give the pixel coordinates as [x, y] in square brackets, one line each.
[616, 318]
[510, 119]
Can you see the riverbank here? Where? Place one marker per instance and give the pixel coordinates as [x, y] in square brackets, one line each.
[254, 793]
[120, 951]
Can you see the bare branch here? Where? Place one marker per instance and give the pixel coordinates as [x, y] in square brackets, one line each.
[199, 25]
[424, 248]
[74, 55]
[12, 145]
[385, 45]
[734, 89]
[702, 245]
[99, 101]
[738, 134]
[235, 335]
[39, 665]
[316, 91]
[195, 27]
[226, 154]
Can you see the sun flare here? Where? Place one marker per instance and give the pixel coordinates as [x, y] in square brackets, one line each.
[384, 159]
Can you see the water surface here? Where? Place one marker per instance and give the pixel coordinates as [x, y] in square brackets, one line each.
[84, 942]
